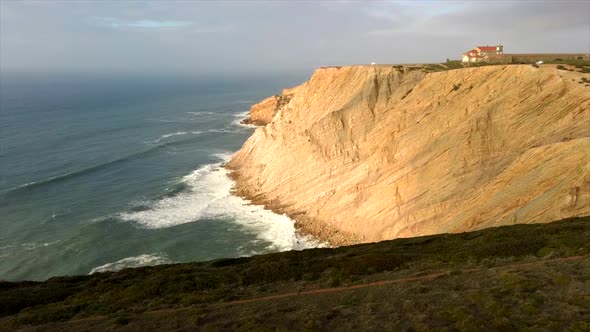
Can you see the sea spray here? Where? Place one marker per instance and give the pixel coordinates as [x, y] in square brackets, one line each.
[208, 195]
[135, 261]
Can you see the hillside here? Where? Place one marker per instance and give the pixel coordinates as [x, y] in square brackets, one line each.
[369, 153]
[506, 278]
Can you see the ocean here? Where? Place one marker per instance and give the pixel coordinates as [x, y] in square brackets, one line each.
[102, 172]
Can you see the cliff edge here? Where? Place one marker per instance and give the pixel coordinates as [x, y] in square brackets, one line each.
[263, 112]
[361, 154]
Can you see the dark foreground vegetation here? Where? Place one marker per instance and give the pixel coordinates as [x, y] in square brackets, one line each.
[517, 277]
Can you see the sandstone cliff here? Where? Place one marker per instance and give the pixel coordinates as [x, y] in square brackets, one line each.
[364, 154]
[262, 113]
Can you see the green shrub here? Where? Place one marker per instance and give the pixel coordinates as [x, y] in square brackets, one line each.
[121, 320]
[454, 65]
[434, 68]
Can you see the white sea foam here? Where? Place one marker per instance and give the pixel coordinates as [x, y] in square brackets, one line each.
[15, 249]
[238, 122]
[36, 245]
[201, 113]
[242, 115]
[34, 183]
[222, 130]
[178, 133]
[209, 196]
[26, 185]
[7, 247]
[223, 156]
[135, 261]
[197, 132]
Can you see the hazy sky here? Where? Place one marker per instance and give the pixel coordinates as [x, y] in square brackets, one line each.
[198, 37]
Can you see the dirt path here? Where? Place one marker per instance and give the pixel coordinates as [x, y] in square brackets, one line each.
[395, 281]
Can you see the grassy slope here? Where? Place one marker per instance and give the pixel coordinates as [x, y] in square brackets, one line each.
[501, 278]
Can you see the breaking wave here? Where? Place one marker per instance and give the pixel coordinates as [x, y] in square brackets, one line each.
[135, 261]
[178, 133]
[202, 113]
[240, 117]
[208, 196]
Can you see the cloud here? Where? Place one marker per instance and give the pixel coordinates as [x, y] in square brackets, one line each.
[150, 24]
[263, 36]
[115, 23]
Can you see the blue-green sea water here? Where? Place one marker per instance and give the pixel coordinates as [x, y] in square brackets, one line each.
[105, 172]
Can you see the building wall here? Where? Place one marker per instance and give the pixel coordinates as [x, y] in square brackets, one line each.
[467, 59]
[499, 49]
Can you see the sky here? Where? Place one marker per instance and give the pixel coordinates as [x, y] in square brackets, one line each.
[246, 37]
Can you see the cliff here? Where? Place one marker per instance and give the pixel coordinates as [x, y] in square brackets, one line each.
[363, 154]
[262, 113]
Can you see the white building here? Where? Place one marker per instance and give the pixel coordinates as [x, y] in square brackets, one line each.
[482, 53]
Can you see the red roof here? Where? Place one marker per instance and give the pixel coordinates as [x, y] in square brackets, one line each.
[487, 48]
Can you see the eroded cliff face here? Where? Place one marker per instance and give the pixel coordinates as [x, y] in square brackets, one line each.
[363, 154]
[263, 112]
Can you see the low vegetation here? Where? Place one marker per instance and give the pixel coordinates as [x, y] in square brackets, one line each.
[580, 65]
[570, 62]
[454, 64]
[511, 277]
[434, 67]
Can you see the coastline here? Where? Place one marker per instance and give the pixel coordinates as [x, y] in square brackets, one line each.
[304, 225]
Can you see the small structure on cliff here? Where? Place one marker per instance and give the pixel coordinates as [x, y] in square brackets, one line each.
[483, 53]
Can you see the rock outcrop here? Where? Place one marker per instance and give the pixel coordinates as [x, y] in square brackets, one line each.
[362, 154]
[263, 112]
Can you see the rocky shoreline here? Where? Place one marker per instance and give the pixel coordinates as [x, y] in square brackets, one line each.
[304, 225]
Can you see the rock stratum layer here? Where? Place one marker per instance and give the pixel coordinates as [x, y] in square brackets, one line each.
[362, 154]
[263, 112]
